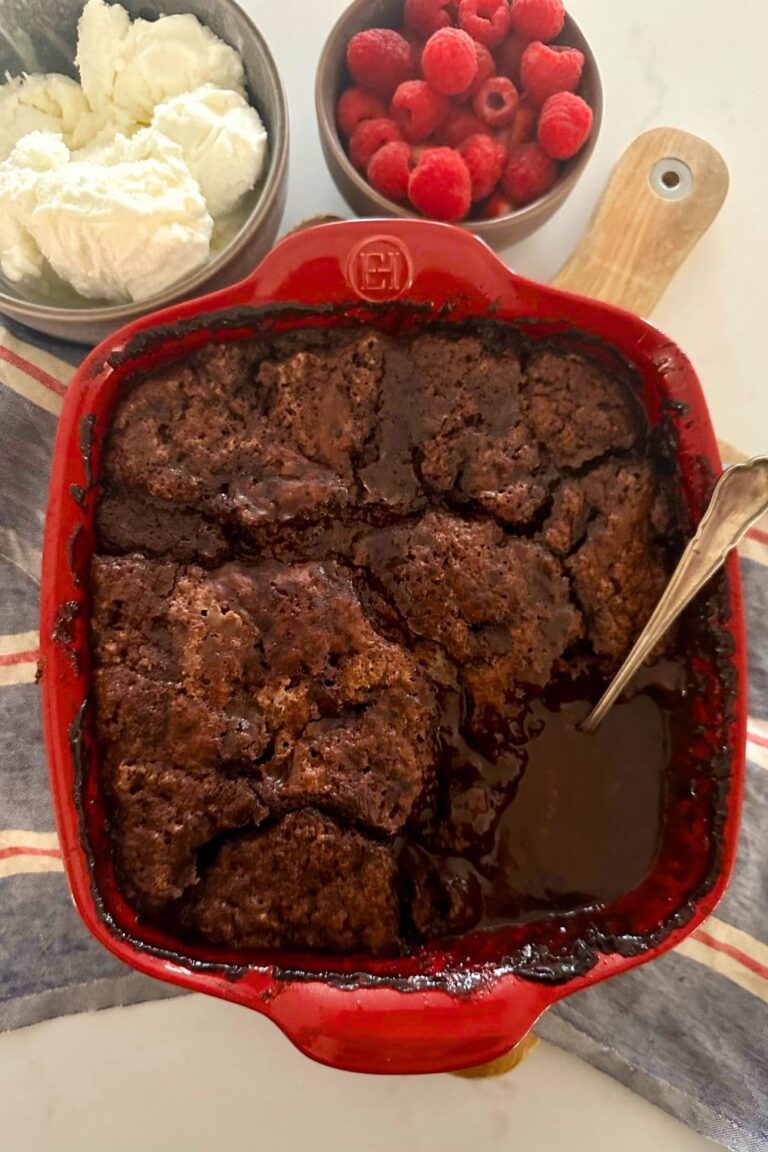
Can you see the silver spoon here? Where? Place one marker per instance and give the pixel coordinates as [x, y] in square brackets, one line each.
[739, 499]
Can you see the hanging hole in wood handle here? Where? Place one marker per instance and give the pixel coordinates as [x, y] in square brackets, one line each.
[662, 196]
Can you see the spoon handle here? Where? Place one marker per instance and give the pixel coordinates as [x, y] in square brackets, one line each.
[739, 499]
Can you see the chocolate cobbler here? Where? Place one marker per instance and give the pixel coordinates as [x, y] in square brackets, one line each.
[352, 595]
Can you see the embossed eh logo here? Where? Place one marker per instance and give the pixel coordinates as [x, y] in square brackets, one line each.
[379, 268]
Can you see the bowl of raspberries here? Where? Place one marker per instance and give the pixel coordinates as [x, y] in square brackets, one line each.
[480, 113]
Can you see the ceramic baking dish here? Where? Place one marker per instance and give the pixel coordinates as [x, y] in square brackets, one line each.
[451, 1005]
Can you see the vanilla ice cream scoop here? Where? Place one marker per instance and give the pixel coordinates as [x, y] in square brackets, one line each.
[223, 141]
[38, 152]
[138, 65]
[51, 103]
[125, 222]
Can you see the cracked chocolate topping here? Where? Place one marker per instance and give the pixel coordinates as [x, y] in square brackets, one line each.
[352, 596]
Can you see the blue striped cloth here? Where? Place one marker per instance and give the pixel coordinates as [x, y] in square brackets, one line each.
[689, 1032]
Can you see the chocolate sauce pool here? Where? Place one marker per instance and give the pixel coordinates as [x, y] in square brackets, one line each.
[584, 825]
[549, 819]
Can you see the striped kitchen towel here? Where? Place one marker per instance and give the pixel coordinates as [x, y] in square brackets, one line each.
[690, 1031]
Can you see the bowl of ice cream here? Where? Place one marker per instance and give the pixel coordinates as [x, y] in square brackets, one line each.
[143, 158]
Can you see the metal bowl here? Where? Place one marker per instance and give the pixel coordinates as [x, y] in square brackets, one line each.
[39, 36]
[332, 78]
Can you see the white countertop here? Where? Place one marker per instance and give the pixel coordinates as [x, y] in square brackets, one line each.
[195, 1074]
[198, 1075]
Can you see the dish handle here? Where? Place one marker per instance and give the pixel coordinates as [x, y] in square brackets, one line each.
[360, 262]
[389, 1030]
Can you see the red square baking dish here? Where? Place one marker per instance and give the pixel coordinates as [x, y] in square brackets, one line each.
[450, 1004]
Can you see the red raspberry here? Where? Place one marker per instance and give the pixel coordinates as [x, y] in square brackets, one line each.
[389, 170]
[449, 61]
[417, 110]
[485, 20]
[496, 206]
[379, 59]
[486, 67]
[426, 16]
[538, 19]
[496, 102]
[440, 186]
[485, 159]
[508, 57]
[354, 106]
[564, 125]
[523, 128]
[529, 174]
[368, 137]
[546, 70]
[458, 126]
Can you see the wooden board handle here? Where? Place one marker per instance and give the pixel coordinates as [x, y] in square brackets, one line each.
[662, 196]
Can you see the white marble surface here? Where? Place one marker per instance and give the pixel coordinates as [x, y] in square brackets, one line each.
[195, 1074]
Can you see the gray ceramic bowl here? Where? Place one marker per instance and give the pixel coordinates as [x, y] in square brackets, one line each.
[332, 78]
[40, 36]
